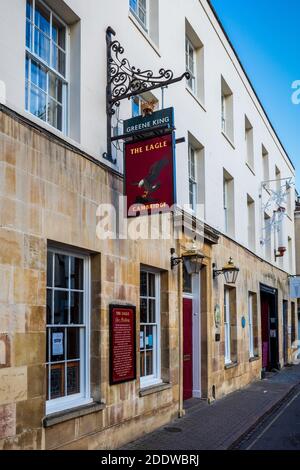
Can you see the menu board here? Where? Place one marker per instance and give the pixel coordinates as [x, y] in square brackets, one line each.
[122, 343]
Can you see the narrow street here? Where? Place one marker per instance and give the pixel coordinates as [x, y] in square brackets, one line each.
[279, 431]
[264, 415]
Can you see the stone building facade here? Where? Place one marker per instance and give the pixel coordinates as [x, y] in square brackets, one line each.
[58, 277]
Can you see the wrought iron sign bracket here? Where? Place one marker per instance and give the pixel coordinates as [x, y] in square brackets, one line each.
[125, 81]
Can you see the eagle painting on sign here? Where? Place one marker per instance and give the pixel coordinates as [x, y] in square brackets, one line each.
[149, 177]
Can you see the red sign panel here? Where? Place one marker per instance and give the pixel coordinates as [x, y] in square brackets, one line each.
[149, 175]
[122, 344]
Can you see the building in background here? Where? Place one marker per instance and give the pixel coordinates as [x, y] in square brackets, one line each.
[196, 335]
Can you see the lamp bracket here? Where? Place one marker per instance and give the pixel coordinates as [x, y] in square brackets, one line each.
[216, 272]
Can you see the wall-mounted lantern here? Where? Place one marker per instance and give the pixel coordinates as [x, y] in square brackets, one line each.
[192, 259]
[230, 272]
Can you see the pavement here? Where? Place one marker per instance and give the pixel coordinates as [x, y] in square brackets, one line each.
[223, 423]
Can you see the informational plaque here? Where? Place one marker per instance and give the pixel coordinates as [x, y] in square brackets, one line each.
[122, 343]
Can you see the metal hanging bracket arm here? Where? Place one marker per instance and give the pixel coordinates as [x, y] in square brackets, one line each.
[125, 81]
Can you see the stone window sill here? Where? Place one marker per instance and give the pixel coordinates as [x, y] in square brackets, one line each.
[144, 33]
[231, 365]
[228, 139]
[250, 168]
[62, 416]
[154, 389]
[254, 358]
[195, 98]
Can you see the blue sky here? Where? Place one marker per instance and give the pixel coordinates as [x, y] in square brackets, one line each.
[266, 36]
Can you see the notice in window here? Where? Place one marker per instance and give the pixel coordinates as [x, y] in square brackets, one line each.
[57, 344]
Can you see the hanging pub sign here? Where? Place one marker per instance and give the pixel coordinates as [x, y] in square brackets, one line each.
[161, 118]
[122, 343]
[149, 175]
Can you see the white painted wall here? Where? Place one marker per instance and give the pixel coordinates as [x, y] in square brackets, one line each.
[203, 121]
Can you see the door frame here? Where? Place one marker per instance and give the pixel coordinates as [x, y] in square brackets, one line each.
[272, 294]
[196, 333]
[285, 331]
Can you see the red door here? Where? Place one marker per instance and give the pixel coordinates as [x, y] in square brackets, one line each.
[265, 334]
[187, 349]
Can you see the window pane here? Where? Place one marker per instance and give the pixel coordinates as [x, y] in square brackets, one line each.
[135, 107]
[142, 16]
[76, 309]
[49, 269]
[73, 343]
[55, 114]
[58, 60]
[42, 18]
[76, 273]
[143, 284]
[38, 76]
[26, 95]
[38, 103]
[151, 280]
[28, 35]
[191, 82]
[61, 307]
[142, 364]
[73, 384]
[149, 362]
[55, 87]
[49, 307]
[47, 376]
[143, 308]
[48, 333]
[149, 337]
[29, 9]
[142, 338]
[133, 5]
[187, 281]
[42, 45]
[61, 271]
[152, 315]
[57, 346]
[58, 33]
[57, 388]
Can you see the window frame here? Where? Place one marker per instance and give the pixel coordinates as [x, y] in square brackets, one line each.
[83, 397]
[136, 14]
[223, 113]
[31, 55]
[227, 326]
[193, 73]
[251, 298]
[225, 204]
[227, 111]
[155, 378]
[192, 177]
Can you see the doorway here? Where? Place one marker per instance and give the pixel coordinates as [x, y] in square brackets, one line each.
[191, 337]
[269, 328]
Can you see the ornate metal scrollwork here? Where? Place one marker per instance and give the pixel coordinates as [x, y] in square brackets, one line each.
[124, 81]
[127, 80]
